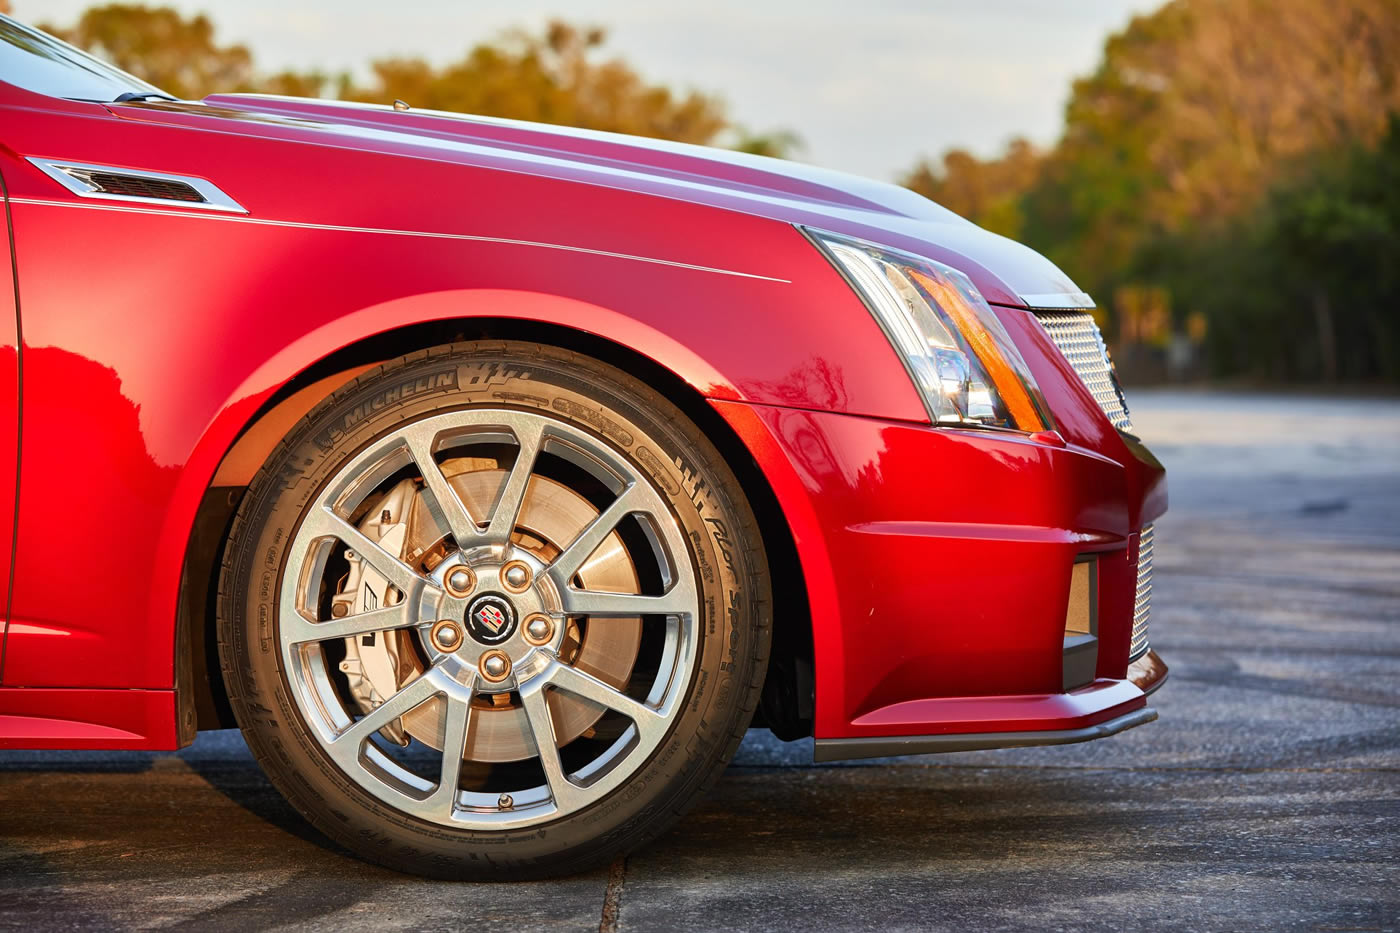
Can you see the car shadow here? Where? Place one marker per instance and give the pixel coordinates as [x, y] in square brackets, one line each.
[219, 812]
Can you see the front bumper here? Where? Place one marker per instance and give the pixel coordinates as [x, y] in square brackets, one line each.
[1147, 673]
[871, 747]
[938, 567]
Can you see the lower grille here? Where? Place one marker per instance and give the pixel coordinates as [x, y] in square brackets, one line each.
[1078, 338]
[1142, 605]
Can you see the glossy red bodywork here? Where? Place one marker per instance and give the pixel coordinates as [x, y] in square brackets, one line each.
[936, 561]
[9, 420]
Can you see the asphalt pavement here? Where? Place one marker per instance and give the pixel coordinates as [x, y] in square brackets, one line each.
[1266, 797]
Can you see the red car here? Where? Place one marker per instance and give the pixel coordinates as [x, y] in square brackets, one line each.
[494, 478]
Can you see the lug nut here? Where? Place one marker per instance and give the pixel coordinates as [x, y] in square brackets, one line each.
[445, 636]
[494, 666]
[460, 581]
[515, 576]
[539, 629]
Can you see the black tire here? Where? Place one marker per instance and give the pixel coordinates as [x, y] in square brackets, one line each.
[705, 498]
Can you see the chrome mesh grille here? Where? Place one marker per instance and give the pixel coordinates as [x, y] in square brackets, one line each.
[1078, 338]
[1142, 604]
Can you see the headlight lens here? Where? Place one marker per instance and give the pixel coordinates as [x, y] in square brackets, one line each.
[960, 357]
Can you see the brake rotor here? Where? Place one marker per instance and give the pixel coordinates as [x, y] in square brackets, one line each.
[551, 516]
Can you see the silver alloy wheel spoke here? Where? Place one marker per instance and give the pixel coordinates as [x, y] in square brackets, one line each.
[582, 547]
[467, 529]
[345, 747]
[648, 721]
[449, 505]
[322, 522]
[299, 630]
[443, 801]
[677, 601]
[567, 795]
[530, 436]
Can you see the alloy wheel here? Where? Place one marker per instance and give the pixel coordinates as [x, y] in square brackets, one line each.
[487, 618]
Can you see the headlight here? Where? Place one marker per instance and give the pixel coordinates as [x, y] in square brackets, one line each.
[960, 357]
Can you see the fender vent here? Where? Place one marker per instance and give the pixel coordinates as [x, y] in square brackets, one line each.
[110, 183]
[137, 187]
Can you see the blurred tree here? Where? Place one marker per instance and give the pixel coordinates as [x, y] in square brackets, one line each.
[1308, 285]
[1338, 237]
[555, 77]
[300, 83]
[558, 76]
[778, 144]
[1144, 314]
[1199, 107]
[1221, 148]
[175, 54]
[987, 192]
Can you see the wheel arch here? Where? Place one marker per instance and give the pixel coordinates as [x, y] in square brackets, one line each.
[787, 705]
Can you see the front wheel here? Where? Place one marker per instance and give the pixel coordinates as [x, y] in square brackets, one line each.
[494, 610]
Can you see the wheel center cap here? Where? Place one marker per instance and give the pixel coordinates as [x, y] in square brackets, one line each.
[491, 619]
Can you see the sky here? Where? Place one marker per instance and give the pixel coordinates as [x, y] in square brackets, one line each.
[870, 86]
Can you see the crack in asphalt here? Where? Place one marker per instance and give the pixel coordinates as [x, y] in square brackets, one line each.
[612, 896]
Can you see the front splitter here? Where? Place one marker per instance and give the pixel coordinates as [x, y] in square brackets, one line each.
[888, 746]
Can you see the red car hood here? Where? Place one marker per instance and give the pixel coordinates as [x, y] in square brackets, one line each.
[1006, 272]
